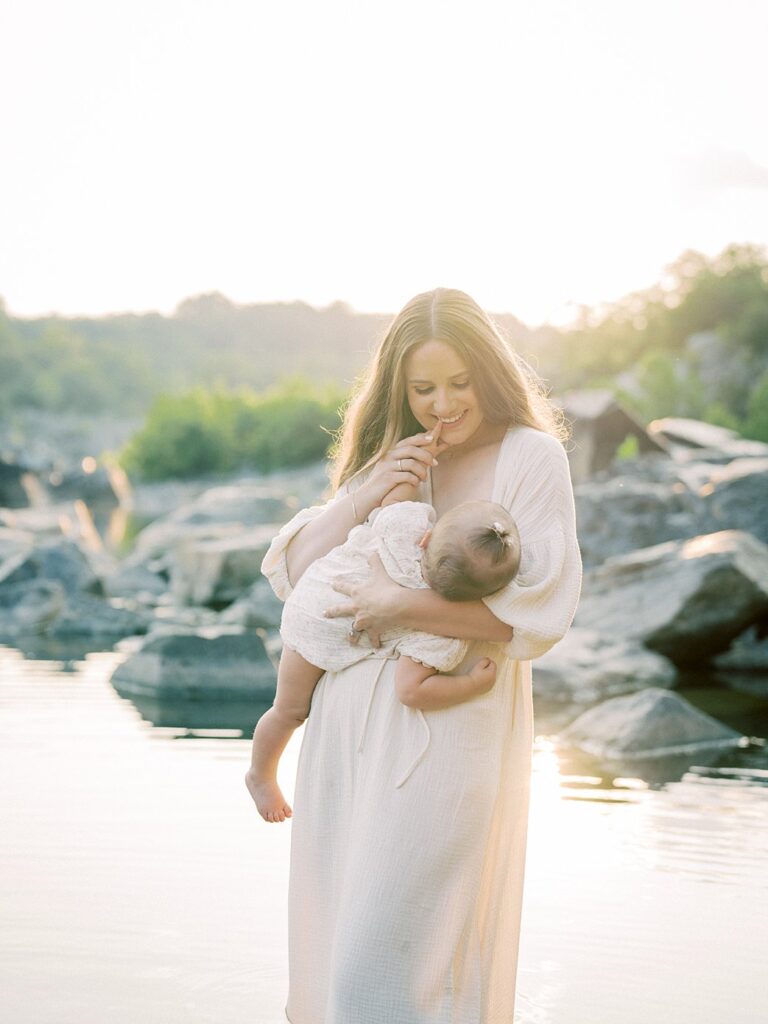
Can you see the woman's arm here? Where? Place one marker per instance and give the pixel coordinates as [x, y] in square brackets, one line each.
[428, 612]
[379, 604]
[407, 463]
[317, 538]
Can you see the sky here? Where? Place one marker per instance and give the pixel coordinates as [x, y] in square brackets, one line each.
[539, 155]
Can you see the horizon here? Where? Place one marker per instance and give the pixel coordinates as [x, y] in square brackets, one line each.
[601, 305]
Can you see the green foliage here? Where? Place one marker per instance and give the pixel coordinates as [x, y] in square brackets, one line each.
[756, 424]
[218, 431]
[694, 345]
[629, 448]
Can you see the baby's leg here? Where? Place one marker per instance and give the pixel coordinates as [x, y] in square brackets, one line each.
[420, 686]
[296, 680]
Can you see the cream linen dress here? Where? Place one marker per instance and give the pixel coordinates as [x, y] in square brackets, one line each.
[405, 899]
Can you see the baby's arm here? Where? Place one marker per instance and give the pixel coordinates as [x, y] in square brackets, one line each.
[420, 686]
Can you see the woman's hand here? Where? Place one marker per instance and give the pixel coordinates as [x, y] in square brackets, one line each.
[407, 463]
[372, 606]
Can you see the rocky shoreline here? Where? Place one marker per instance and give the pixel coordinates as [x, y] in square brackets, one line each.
[675, 547]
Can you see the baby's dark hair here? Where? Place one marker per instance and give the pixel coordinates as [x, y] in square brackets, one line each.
[474, 551]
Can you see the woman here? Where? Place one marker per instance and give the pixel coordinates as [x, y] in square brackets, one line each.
[405, 900]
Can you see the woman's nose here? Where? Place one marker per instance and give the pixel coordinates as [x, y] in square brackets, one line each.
[442, 404]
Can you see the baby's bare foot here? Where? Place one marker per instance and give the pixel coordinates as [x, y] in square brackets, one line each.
[269, 800]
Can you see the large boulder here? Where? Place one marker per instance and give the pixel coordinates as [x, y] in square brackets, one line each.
[45, 607]
[30, 606]
[59, 559]
[651, 723]
[217, 572]
[586, 667]
[748, 653]
[622, 513]
[224, 509]
[134, 581]
[712, 443]
[736, 497]
[685, 599]
[84, 615]
[258, 608]
[198, 667]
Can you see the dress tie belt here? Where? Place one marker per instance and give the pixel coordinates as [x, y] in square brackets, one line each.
[420, 756]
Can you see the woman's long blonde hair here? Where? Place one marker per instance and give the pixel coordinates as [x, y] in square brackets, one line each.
[378, 414]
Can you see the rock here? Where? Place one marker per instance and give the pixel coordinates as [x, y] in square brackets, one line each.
[225, 509]
[257, 608]
[155, 544]
[84, 615]
[748, 652]
[198, 667]
[170, 618]
[716, 442]
[134, 581]
[13, 474]
[247, 502]
[622, 513]
[43, 521]
[685, 599]
[29, 606]
[586, 667]
[736, 497]
[60, 560]
[219, 571]
[14, 542]
[651, 723]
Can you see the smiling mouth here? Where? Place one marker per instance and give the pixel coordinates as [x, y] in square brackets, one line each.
[453, 421]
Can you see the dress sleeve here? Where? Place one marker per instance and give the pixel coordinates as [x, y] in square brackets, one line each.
[442, 653]
[274, 564]
[540, 602]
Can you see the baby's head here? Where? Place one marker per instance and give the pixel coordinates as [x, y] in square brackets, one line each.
[472, 551]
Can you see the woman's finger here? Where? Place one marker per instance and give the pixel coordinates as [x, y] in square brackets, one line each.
[342, 587]
[404, 451]
[341, 611]
[413, 466]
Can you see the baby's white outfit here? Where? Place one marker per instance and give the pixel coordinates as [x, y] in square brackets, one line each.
[394, 532]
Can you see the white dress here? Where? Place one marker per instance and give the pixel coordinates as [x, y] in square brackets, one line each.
[394, 533]
[405, 900]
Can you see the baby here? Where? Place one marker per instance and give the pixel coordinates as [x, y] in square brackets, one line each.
[471, 552]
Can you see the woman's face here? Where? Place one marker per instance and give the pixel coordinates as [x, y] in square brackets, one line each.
[439, 387]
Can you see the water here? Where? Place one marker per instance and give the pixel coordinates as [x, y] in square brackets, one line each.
[138, 883]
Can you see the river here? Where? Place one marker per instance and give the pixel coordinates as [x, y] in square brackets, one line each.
[139, 884]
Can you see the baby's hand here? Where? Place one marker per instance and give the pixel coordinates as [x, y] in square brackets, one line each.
[484, 674]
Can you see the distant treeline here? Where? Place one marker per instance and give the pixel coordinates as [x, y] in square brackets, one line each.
[695, 344]
[121, 363]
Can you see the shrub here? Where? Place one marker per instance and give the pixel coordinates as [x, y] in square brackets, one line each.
[218, 431]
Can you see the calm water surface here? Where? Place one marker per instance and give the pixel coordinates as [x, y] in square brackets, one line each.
[139, 884]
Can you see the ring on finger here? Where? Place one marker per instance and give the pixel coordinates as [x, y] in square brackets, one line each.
[400, 465]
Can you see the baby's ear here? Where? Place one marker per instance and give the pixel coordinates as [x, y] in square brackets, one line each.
[425, 539]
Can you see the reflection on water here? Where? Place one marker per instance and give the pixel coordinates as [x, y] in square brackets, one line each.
[137, 880]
